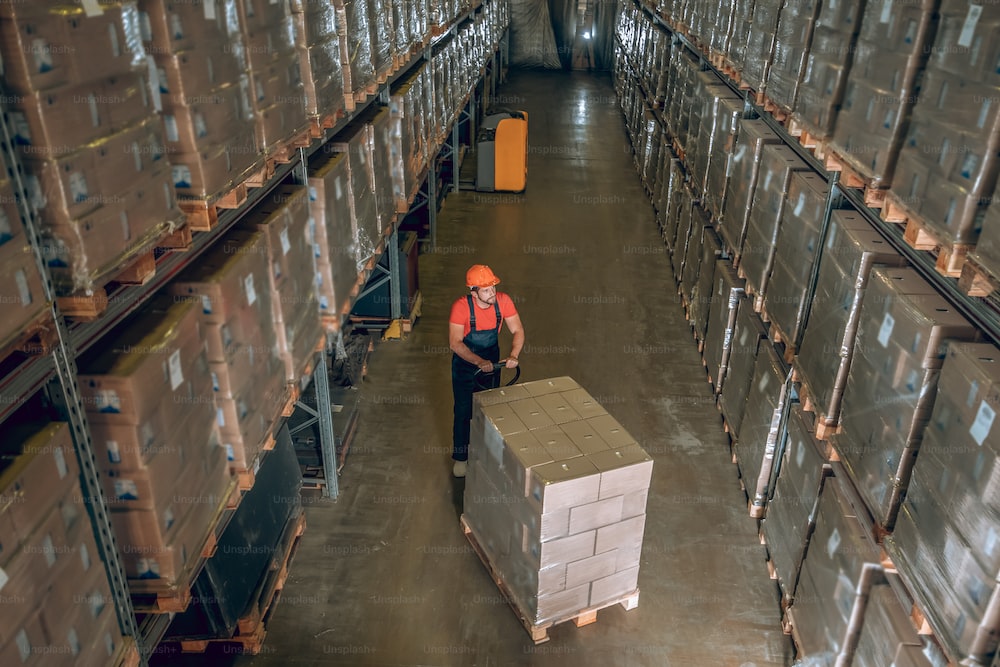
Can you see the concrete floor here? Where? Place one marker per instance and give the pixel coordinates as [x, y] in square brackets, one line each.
[385, 577]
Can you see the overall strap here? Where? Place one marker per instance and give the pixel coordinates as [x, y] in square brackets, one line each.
[472, 313]
[496, 307]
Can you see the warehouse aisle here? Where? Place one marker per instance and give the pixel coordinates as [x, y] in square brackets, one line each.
[385, 577]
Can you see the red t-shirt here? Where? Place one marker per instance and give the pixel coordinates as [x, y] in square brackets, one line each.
[486, 318]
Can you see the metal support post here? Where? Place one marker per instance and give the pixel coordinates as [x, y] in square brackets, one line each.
[456, 153]
[432, 203]
[327, 440]
[395, 309]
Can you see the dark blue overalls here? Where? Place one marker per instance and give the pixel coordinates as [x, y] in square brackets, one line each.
[486, 344]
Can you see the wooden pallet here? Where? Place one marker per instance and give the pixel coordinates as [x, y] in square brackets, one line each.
[950, 257]
[539, 632]
[286, 151]
[975, 280]
[808, 139]
[37, 338]
[203, 212]
[779, 112]
[128, 654]
[88, 307]
[874, 197]
[823, 426]
[319, 124]
[790, 628]
[251, 629]
[777, 336]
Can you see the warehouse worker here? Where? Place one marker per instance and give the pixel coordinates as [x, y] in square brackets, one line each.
[473, 335]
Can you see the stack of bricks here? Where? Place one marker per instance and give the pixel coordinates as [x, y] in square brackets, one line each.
[555, 495]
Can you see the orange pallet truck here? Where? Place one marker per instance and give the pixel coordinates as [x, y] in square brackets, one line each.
[502, 152]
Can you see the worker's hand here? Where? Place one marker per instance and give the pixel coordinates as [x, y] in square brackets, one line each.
[511, 362]
[485, 366]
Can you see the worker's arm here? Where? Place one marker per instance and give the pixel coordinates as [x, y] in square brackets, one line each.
[456, 332]
[517, 330]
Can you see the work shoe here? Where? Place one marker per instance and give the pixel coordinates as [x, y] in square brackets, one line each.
[458, 470]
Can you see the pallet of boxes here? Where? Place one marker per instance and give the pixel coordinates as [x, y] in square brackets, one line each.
[555, 502]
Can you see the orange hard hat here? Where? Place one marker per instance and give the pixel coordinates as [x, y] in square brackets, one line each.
[480, 275]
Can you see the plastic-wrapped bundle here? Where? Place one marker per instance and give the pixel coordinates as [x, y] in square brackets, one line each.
[760, 428]
[532, 41]
[382, 165]
[364, 215]
[685, 223]
[722, 31]
[827, 66]
[891, 49]
[382, 37]
[742, 20]
[838, 571]
[987, 250]
[419, 21]
[674, 195]
[723, 144]
[749, 335]
[692, 253]
[756, 256]
[760, 43]
[701, 290]
[680, 108]
[402, 41]
[852, 249]
[945, 541]
[887, 634]
[727, 295]
[743, 171]
[716, 101]
[791, 46]
[891, 387]
[355, 46]
[408, 111]
[791, 511]
[947, 167]
[796, 251]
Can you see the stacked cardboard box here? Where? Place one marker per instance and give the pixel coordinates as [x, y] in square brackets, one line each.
[722, 31]
[678, 114]
[797, 248]
[383, 37]
[702, 292]
[420, 19]
[21, 288]
[685, 222]
[987, 250]
[880, 93]
[386, 160]
[318, 45]
[840, 561]
[556, 496]
[948, 164]
[742, 20]
[828, 64]
[778, 164]
[87, 135]
[408, 106]
[365, 226]
[887, 634]
[749, 335]
[851, 251]
[355, 49]
[230, 287]
[902, 331]
[279, 99]
[761, 427]
[743, 171]
[791, 512]
[149, 399]
[945, 542]
[673, 196]
[203, 91]
[55, 601]
[284, 220]
[712, 98]
[701, 228]
[760, 43]
[728, 297]
[722, 145]
[649, 148]
[330, 205]
[791, 46]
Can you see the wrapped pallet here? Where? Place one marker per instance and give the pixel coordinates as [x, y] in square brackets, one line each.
[945, 542]
[749, 340]
[852, 249]
[409, 113]
[150, 404]
[778, 164]
[727, 298]
[88, 137]
[336, 254]
[736, 54]
[683, 68]
[691, 272]
[386, 159]
[744, 169]
[839, 570]
[366, 229]
[701, 151]
[673, 196]
[722, 31]
[947, 168]
[721, 145]
[797, 248]
[56, 595]
[383, 37]
[555, 497]
[891, 49]
[318, 45]
[890, 390]
[702, 289]
[791, 511]
[231, 288]
[685, 223]
[791, 46]
[760, 43]
[26, 309]
[828, 65]
[355, 50]
[203, 90]
[760, 430]
[887, 633]
[986, 254]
